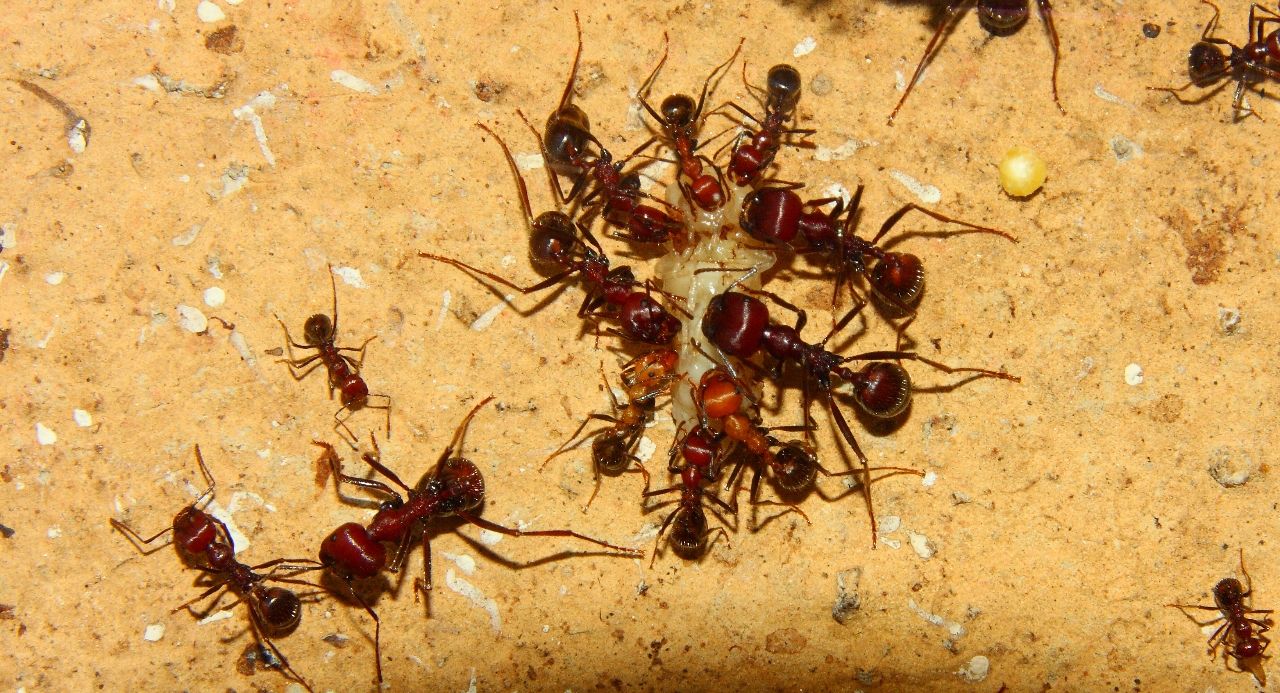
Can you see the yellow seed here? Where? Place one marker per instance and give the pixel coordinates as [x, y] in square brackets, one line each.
[1022, 172]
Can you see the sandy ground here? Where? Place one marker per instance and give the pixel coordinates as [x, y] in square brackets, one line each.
[1067, 510]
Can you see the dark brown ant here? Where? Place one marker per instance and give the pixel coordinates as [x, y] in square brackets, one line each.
[454, 486]
[679, 120]
[1255, 62]
[321, 333]
[781, 96]
[554, 245]
[999, 18]
[739, 326]
[1241, 636]
[647, 377]
[565, 147]
[205, 542]
[689, 536]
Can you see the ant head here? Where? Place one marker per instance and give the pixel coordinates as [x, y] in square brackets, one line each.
[350, 552]
[567, 135]
[460, 485]
[1206, 61]
[677, 111]
[645, 320]
[193, 530]
[1002, 17]
[279, 608]
[1228, 592]
[318, 330]
[899, 276]
[783, 84]
[553, 241]
[882, 389]
[797, 468]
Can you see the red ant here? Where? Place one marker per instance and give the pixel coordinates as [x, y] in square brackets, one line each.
[272, 610]
[647, 377]
[1242, 636]
[688, 537]
[1206, 63]
[739, 326]
[454, 486]
[564, 146]
[554, 245]
[320, 334]
[999, 18]
[781, 96]
[679, 119]
[776, 215]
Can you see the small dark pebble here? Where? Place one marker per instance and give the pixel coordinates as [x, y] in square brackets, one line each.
[1150, 30]
[7, 612]
[225, 41]
[6, 531]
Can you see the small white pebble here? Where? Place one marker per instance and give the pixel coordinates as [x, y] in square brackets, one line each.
[148, 82]
[928, 194]
[153, 632]
[55, 278]
[464, 562]
[1022, 172]
[1133, 374]
[8, 235]
[184, 178]
[214, 297]
[234, 2]
[930, 478]
[546, 629]
[921, 545]
[805, 47]
[54, 532]
[292, 687]
[485, 320]
[977, 670]
[76, 139]
[889, 524]
[45, 436]
[352, 82]
[82, 418]
[529, 162]
[209, 13]
[189, 236]
[645, 449]
[351, 276]
[191, 319]
[489, 537]
[214, 618]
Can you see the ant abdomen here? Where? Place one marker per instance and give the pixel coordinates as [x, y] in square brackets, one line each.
[1002, 17]
[351, 553]
[735, 323]
[552, 242]
[566, 137]
[796, 469]
[280, 608]
[688, 532]
[771, 215]
[883, 389]
[1228, 592]
[783, 84]
[609, 452]
[899, 276]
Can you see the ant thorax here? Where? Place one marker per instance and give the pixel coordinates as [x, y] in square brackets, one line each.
[717, 243]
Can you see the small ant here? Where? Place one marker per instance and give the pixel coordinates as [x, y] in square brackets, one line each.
[781, 96]
[1242, 636]
[647, 377]
[454, 486]
[679, 119]
[999, 18]
[320, 334]
[1207, 63]
[272, 610]
[688, 537]
[554, 246]
[739, 326]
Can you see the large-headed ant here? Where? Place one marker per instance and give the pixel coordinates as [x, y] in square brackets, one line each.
[454, 486]
[999, 18]
[781, 96]
[1255, 62]
[679, 120]
[554, 245]
[1241, 636]
[647, 377]
[321, 333]
[738, 325]
[565, 147]
[777, 215]
[205, 542]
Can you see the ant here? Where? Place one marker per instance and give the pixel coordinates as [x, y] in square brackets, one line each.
[739, 326]
[781, 96]
[272, 610]
[454, 486]
[688, 537]
[554, 245]
[647, 377]
[999, 18]
[1242, 636]
[776, 215]
[1207, 63]
[320, 334]
[565, 143]
[679, 119]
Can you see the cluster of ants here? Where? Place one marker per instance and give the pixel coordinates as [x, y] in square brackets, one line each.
[728, 431]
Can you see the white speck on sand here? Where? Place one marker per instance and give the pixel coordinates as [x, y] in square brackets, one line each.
[928, 194]
[82, 418]
[191, 319]
[352, 82]
[921, 545]
[148, 82]
[489, 537]
[189, 236]
[153, 632]
[955, 629]
[930, 478]
[209, 12]
[805, 47]
[529, 162]
[351, 276]
[55, 278]
[45, 436]
[490, 315]
[214, 297]
[445, 300]
[977, 670]
[889, 524]
[477, 597]
[76, 139]
[464, 562]
[233, 179]
[8, 235]
[645, 449]
[242, 348]
[472, 687]
[1133, 374]
[1105, 95]
[45, 342]
[844, 151]
[54, 532]
[247, 113]
[213, 618]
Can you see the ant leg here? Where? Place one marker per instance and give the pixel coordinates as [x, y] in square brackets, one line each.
[299, 364]
[1237, 104]
[546, 283]
[790, 508]
[844, 321]
[1213, 23]
[134, 535]
[377, 627]
[561, 449]
[595, 491]
[847, 434]
[284, 662]
[913, 356]
[387, 407]
[953, 11]
[524, 190]
[719, 532]
[657, 543]
[402, 549]
[511, 532]
[341, 422]
[645, 88]
[421, 584]
[1046, 14]
[289, 339]
[697, 113]
[360, 349]
[640, 468]
[220, 585]
[894, 218]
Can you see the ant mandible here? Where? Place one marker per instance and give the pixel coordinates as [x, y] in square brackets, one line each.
[454, 486]
[272, 610]
[321, 333]
[647, 377]
[1242, 636]
[999, 18]
[1206, 63]
[781, 96]
[554, 246]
